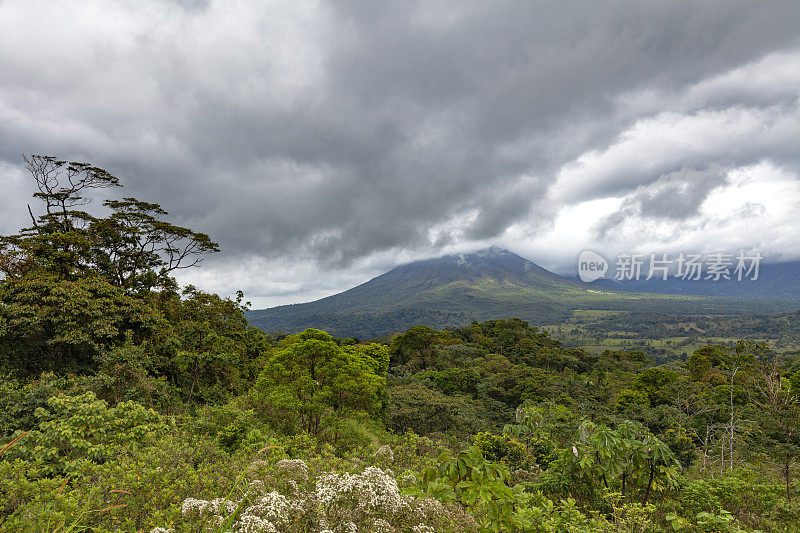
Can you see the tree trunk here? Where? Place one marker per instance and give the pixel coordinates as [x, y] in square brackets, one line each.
[649, 482]
[605, 483]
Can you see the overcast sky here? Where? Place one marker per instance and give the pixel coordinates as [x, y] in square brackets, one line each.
[323, 143]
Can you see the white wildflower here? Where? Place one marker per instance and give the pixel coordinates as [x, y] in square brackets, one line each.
[373, 489]
[214, 523]
[385, 452]
[405, 504]
[331, 487]
[274, 507]
[379, 490]
[381, 526]
[260, 463]
[257, 487]
[422, 528]
[213, 507]
[191, 505]
[254, 524]
[294, 468]
[426, 508]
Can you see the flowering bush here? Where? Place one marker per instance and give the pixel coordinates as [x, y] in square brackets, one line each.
[332, 502]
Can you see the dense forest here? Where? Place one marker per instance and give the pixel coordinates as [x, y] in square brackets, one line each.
[128, 403]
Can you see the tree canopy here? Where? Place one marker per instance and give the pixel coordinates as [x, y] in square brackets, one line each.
[134, 248]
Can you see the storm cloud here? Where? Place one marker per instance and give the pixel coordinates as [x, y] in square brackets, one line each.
[323, 142]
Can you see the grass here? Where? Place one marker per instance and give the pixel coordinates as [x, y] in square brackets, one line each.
[13, 442]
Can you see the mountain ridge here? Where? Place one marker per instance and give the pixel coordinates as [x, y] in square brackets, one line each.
[775, 281]
[456, 289]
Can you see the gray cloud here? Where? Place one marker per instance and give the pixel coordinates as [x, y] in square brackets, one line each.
[674, 196]
[354, 134]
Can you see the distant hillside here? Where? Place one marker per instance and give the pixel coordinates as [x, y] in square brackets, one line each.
[775, 281]
[456, 289]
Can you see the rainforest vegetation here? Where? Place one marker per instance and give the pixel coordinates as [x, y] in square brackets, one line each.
[128, 403]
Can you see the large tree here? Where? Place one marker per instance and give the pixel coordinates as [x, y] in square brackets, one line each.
[48, 323]
[74, 283]
[134, 248]
[312, 381]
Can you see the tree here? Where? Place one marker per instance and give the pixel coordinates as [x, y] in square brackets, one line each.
[75, 431]
[209, 348]
[136, 250]
[780, 404]
[47, 323]
[415, 407]
[75, 284]
[417, 347]
[629, 455]
[311, 377]
[654, 382]
[62, 187]
[133, 248]
[729, 368]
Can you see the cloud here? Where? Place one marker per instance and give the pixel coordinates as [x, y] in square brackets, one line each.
[673, 196]
[657, 145]
[749, 208]
[321, 143]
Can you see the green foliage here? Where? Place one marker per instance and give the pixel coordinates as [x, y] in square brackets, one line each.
[655, 382]
[682, 443]
[311, 379]
[631, 399]
[19, 402]
[453, 380]
[231, 425]
[47, 323]
[535, 427]
[136, 490]
[75, 431]
[209, 350]
[423, 410]
[501, 448]
[477, 483]
[628, 460]
[483, 488]
[90, 295]
[416, 347]
[127, 372]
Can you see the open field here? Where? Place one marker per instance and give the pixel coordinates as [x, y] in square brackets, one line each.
[672, 335]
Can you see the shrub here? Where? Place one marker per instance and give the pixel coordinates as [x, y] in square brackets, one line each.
[74, 431]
